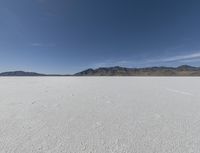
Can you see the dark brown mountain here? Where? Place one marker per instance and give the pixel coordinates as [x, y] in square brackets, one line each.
[184, 70]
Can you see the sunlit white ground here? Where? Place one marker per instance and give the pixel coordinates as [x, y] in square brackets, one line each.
[99, 115]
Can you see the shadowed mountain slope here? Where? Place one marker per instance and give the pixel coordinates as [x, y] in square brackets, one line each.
[184, 70]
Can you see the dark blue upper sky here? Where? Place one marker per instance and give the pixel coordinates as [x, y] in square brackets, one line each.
[66, 36]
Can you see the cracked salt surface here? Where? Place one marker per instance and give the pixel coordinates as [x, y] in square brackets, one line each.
[99, 115]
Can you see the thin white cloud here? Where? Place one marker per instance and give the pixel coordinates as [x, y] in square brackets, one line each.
[190, 60]
[102, 64]
[111, 63]
[182, 57]
[36, 44]
[186, 58]
[42, 45]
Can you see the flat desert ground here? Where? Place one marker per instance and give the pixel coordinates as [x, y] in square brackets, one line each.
[99, 115]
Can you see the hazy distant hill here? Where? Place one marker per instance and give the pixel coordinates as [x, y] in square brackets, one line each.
[20, 73]
[23, 73]
[184, 70]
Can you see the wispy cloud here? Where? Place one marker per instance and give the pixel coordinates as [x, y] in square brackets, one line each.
[42, 44]
[102, 64]
[182, 57]
[110, 63]
[179, 59]
[190, 60]
[36, 44]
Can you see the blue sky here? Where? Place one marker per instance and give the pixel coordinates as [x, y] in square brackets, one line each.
[66, 36]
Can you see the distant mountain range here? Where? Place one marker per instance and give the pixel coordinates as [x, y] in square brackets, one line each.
[184, 70]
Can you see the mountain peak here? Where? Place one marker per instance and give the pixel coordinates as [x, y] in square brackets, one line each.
[186, 67]
[183, 70]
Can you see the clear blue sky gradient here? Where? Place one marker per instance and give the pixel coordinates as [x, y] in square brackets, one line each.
[66, 36]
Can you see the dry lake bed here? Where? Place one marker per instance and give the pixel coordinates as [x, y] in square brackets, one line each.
[99, 115]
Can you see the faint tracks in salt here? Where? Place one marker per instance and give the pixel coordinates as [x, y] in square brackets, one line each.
[179, 92]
